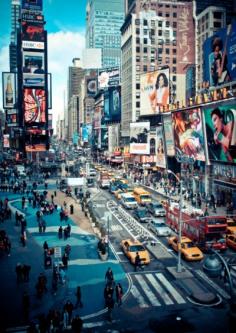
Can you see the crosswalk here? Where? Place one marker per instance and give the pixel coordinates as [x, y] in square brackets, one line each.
[153, 289]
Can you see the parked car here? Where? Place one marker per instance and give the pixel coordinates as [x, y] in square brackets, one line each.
[189, 250]
[159, 228]
[142, 215]
[231, 241]
[131, 247]
[156, 209]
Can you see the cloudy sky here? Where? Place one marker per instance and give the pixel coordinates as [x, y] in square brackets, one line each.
[65, 23]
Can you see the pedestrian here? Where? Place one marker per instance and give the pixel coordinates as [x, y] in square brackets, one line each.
[52, 197]
[69, 307]
[68, 230]
[65, 319]
[26, 305]
[65, 260]
[77, 324]
[137, 262]
[71, 209]
[119, 294]
[43, 225]
[45, 246]
[19, 275]
[62, 275]
[25, 272]
[109, 277]
[65, 233]
[7, 245]
[23, 238]
[110, 306]
[206, 213]
[60, 231]
[55, 193]
[78, 298]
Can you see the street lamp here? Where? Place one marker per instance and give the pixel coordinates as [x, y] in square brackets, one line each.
[179, 265]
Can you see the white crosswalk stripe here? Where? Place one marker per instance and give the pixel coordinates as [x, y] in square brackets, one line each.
[116, 227]
[153, 289]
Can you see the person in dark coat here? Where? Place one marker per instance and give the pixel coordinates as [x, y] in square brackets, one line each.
[19, 275]
[78, 298]
[69, 307]
[65, 260]
[25, 271]
[60, 231]
[109, 276]
[26, 305]
[77, 324]
[119, 294]
[110, 306]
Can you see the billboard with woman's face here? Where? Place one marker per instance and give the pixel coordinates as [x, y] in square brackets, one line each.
[154, 92]
[188, 134]
[220, 121]
[161, 158]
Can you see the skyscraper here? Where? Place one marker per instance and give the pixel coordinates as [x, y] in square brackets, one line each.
[104, 19]
[15, 24]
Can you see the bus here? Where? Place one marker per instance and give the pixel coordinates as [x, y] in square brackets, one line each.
[142, 196]
[206, 231]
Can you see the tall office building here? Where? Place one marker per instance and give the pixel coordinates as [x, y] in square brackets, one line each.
[104, 19]
[75, 76]
[15, 24]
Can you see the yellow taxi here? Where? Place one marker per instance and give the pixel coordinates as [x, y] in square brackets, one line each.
[117, 194]
[189, 251]
[231, 241]
[131, 247]
[231, 226]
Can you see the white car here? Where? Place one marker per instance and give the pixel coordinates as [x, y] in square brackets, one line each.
[159, 228]
[156, 209]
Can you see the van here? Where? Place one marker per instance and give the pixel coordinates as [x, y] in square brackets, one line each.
[128, 200]
[142, 196]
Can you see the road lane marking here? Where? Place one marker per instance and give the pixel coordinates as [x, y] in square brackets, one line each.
[141, 302]
[151, 296]
[159, 289]
[179, 299]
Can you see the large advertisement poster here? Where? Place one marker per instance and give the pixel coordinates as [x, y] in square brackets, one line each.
[32, 31]
[188, 133]
[35, 140]
[9, 90]
[112, 105]
[154, 91]
[220, 122]
[220, 56]
[161, 158]
[33, 62]
[36, 5]
[108, 77]
[87, 133]
[91, 84]
[139, 138]
[34, 106]
[6, 141]
[169, 138]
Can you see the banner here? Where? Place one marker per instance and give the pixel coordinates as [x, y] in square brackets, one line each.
[188, 133]
[220, 122]
[168, 133]
[32, 5]
[91, 84]
[154, 92]
[108, 77]
[139, 138]
[9, 90]
[160, 153]
[6, 141]
[34, 106]
[219, 52]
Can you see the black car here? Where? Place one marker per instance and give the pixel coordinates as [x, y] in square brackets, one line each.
[142, 215]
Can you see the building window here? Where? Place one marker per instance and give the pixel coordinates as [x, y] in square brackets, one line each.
[137, 40]
[167, 42]
[160, 50]
[145, 68]
[152, 147]
[145, 31]
[137, 68]
[167, 60]
[152, 23]
[160, 24]
[174, 51]
[137, 22]
[160, 33]
[137, 85]
[145, 50]
[145, 22]
[174, 24]
[167, 51]
[217, 15]
[153, 50]
[174, 14]
[167, 14]
[145, 41]
[160, 14]
[174, 78]
[217, 24]
[174, 69]
[174, 43]
[137, 49]
[137, 104]
[174, 61]
[160, 42]
[138, 59]
[137, 31]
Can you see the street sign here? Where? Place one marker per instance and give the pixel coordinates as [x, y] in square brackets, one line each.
[57, 252]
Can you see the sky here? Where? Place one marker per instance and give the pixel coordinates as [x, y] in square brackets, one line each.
[65, 24]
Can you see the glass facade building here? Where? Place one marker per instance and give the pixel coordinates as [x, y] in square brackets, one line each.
[15, 24]
[104, 19]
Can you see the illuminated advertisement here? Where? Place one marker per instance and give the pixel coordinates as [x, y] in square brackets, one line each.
[219, 53]
[32, 31]
[35, 140]
[108, 77]
[139, 138]
[112, 105]
[49, 76]
[188, 133]
[32, 17]
[86, 133]
[6, 141]
[154, 91]
[169, 138]
[220, 122]
[34, 106]
[33, 62]
[104, 137]
[160, 153]
[36, 5]
[32, 45]
[12, 120]
[9, 90]
[91, 84]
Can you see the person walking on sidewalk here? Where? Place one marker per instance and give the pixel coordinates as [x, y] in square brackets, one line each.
[119, 294]
[109, 277]
[25, 271]
[110, 306]
[78, 298]
[137, 262]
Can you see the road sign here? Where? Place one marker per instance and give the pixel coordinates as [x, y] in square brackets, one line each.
[57, 252]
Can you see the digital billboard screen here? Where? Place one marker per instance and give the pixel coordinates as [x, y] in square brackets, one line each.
[139, 138]
[169, 138]
[108, 77]
[33, 62]
[161, 158]
[34, 106]
[220, 122]
[219, 52]
[188, 133]
[32, 31]
[36, 140]
[32, 5]
[154, 91]
[91, 84]
[112, 105]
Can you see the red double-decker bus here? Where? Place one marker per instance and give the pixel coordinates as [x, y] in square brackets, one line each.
[206, 231]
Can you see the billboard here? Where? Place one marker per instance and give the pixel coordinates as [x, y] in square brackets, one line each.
[91, 84]
[36, 5]
[220, 122]
[32, 17]
[34, 105]
[6, 141]
[219, 53]
[108, 77]
[12, 120]
[168, 133]
[32, 45]
[139, 138]
[32, 31]
[86, 133]
[160, 153]
[9, 90]
[112, 105]
[33, 62]
[188, 133]
[154, 91]
[35, 140]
